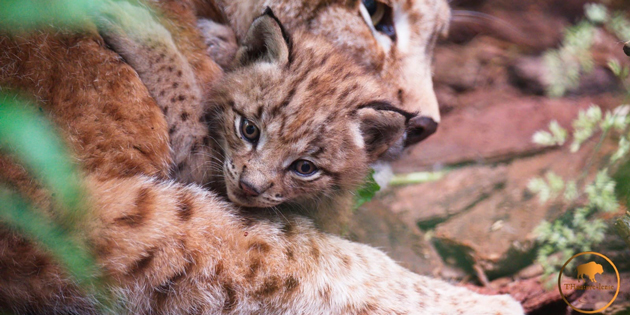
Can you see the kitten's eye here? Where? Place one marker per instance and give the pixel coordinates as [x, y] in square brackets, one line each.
[304, 168]
[249, 131]
[382, 17]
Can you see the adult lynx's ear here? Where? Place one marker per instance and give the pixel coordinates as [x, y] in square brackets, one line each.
[383, 127]
[266, 41]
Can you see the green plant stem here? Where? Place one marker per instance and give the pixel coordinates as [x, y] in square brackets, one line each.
[416, 178]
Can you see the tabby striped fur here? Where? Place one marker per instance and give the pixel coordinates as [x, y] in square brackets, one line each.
[309, 102]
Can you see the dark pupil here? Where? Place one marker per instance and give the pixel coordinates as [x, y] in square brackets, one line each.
[370, 5]
[305, 167]
[250, 130]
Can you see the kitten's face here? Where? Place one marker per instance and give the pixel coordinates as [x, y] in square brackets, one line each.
[291, 155]
[394, 39]
[301, 128]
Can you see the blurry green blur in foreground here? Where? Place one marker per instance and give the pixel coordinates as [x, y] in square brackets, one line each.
[30, 139]
[30, 14]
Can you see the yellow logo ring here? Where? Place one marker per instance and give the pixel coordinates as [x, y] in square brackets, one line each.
[609, 303]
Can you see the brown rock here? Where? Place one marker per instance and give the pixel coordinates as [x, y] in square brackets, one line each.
[530, 29]
[491, 128]
[596, 299]
[530, 75]
[376, 225]
[531, 271]
[479, 64]
[431, 203]
[496, 232]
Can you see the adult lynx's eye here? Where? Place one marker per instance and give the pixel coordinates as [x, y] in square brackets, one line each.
[249, 131]
[382, 17]
[304, 168]
[376, 10]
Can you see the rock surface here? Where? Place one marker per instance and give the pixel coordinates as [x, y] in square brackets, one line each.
[428, 204]
[475, 224]
[493, 127]
[376, 225]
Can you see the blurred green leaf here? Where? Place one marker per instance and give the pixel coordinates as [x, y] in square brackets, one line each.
[29, 138]
[17, 213]
[622, 180]
[32, 139]
[29, 14]
[623, 227]
[367, 191]
[596, 12]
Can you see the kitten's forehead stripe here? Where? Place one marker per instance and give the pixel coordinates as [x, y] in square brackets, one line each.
[307, 108]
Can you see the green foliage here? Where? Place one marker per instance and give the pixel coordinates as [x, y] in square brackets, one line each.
[619, 25]
[585, 126]
[573, 58]
[26, 15]
[367, 191]
[596, 13]
[623, 227]
[621, 72]
[563, 238]
[19, 214]
[566, 64]
[622, 178]
[555, 136]
[30, 138]
[618, 70]
[580, 229]
[601, 193]
[548, 187]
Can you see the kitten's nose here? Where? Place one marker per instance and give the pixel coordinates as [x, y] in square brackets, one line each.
[420, 128]
[249, 189]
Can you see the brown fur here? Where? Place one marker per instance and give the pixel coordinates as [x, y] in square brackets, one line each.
[309, 100]
[60, 73]
[186, 251]
[218, 262]
[175, 73]
[403, 62]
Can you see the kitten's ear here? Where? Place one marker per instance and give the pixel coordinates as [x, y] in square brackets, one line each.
[383, 127]
[266, 41]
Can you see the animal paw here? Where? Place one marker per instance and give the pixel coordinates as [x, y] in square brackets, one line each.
[220, 42]
[125, 25]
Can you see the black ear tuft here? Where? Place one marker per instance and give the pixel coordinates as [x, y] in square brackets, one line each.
[383, 127]
[385, 106]
[266, 41]
[285, 34]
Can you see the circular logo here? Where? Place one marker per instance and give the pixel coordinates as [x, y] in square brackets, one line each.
[588, 272]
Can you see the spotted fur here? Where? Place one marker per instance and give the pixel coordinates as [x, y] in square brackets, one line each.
[214, 260]
[167, 248]
[308, 101]
[398, 48]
